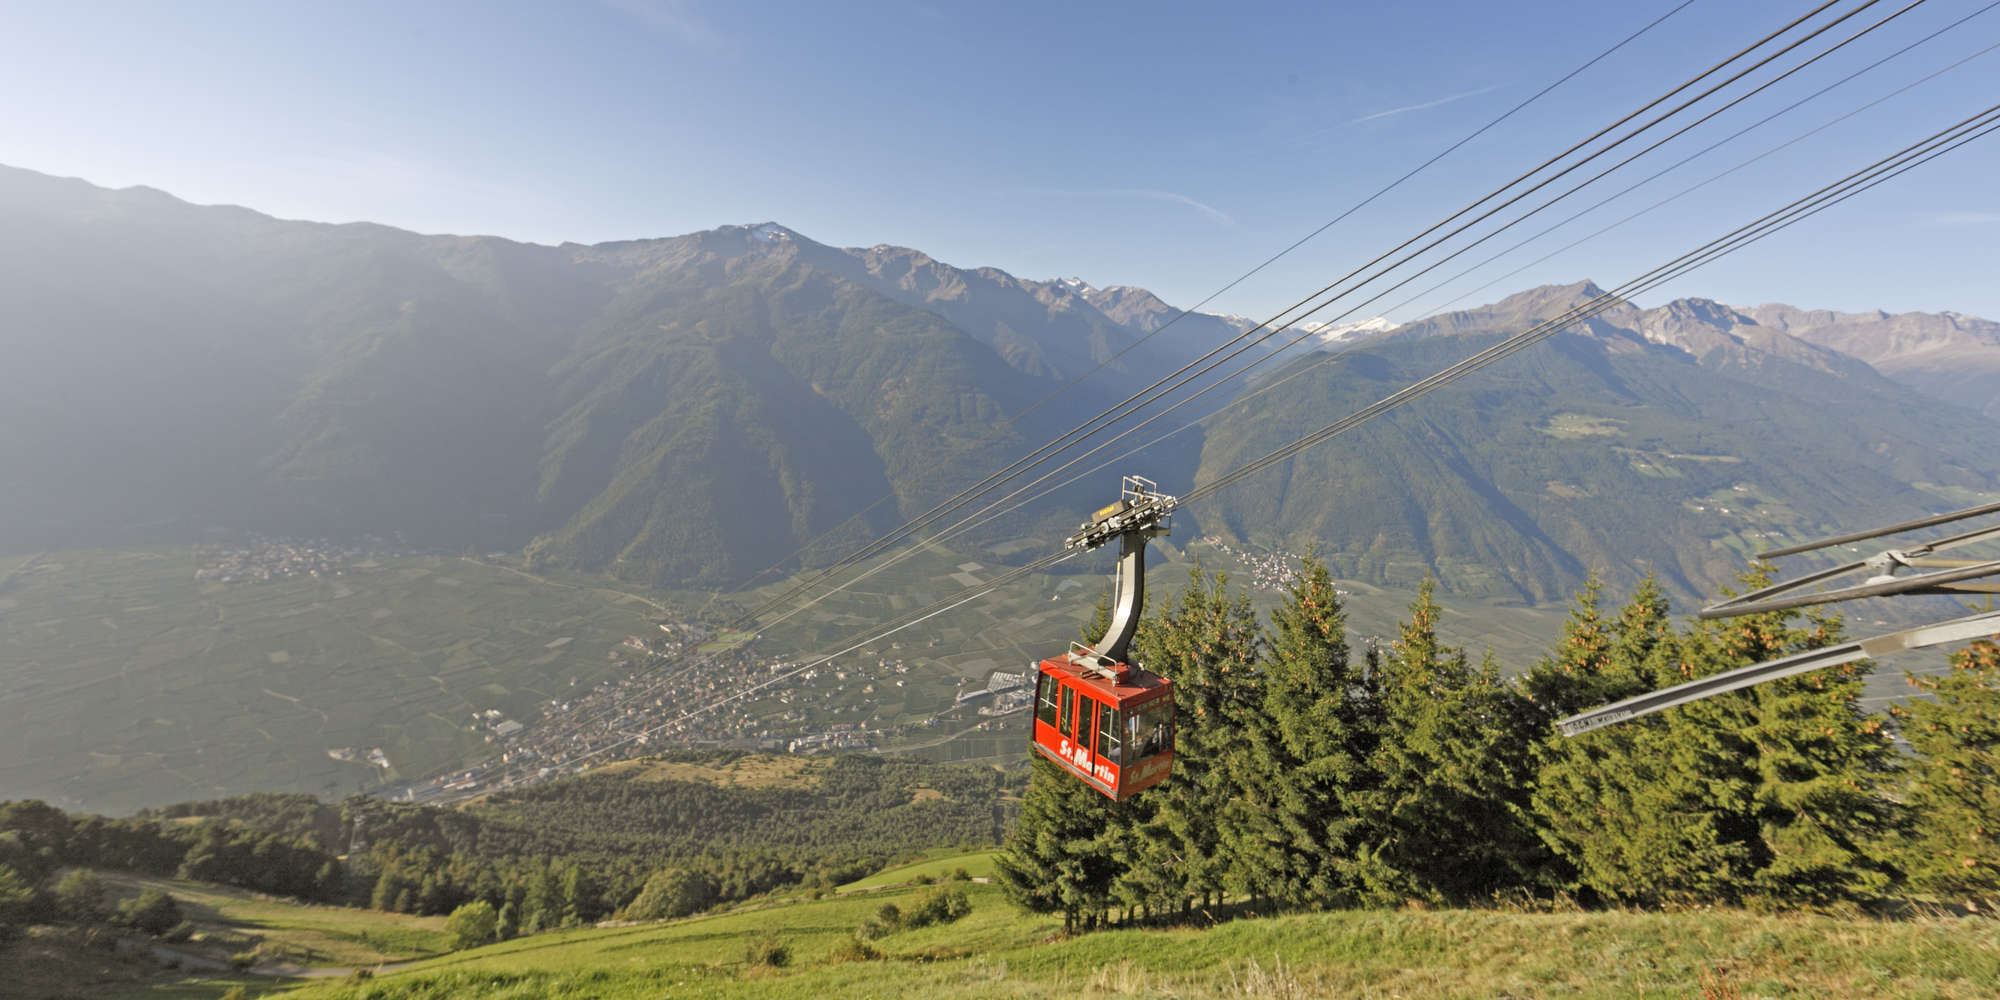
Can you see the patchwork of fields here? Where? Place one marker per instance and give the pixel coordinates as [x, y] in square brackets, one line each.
[126, 682]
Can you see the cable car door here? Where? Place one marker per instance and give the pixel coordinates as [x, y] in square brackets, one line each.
[1077, 734]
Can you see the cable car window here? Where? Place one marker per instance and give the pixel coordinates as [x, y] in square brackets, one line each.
[1108, 743]
[1066, 710]
[1151, 729]
[1045, 707]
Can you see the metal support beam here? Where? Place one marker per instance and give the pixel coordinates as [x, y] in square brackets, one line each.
[1129, 602]
[1956, 577]
[1977, 626]
[1141, 512]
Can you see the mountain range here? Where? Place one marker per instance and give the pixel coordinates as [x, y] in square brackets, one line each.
[691, 410]
[1675, 440]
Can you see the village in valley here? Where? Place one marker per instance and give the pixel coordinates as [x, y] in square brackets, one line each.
[684, 683]
[690, 686]
[1276, 569]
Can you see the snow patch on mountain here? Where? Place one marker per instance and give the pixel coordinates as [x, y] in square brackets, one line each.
[1324, 334]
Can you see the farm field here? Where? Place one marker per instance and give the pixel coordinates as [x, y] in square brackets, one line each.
[998, 951]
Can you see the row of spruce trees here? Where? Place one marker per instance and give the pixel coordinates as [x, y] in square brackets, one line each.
[1308, 777]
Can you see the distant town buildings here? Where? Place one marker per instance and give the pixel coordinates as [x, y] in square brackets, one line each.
[672, 693]
[1274, 570]
[276, 559]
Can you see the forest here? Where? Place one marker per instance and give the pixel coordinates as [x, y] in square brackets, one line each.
[1310, 777]
[559, 855]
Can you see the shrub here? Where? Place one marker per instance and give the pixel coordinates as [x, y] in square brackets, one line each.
[80, 897]
[672, 893]
[17, 902]
[151, 911]
[473, 924]
[941, 905]
[855, 949]
[767, 951]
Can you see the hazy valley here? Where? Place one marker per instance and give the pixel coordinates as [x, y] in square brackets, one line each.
[483, 427]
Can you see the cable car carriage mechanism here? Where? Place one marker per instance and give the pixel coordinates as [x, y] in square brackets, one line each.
[1106, 721]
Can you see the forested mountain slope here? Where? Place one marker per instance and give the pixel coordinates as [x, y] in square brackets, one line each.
[676, 410]
[690, 410]
[1675, 439]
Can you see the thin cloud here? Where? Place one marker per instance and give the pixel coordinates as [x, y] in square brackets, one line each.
[675, 19]
[1213, 213]
[1210, 212]
[1427, 104]
[1962, 218]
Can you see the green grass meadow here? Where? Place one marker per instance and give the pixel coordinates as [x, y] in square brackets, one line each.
[998, 951]
[233, 920]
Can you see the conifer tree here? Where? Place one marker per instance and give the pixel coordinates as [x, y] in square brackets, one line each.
[1208, 642]
[1069, 846]
[1953, 790]
[1621, 817]
[541, 907]
[1822, 763]
[1067, 849]
[1438, 825]
[1305, 753]
[1580, 674]
[1772, 791]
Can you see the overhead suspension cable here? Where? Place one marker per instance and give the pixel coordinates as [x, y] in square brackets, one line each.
[1149, 394]
[1205, 364]
[1705, 151]
[1902, 161]
[1212, 296]
[1655, 206]
[1887, 168]
[1156, 392]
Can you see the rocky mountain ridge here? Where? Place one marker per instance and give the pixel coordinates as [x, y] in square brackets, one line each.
[691, 410]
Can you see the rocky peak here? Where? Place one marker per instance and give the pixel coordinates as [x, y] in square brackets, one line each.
[1131, 306]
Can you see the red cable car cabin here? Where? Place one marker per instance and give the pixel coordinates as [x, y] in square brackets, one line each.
[1098, 717]
[1111, 726]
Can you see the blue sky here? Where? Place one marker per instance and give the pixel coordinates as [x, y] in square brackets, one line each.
[1161, 144]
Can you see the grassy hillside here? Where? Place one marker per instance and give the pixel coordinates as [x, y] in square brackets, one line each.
[231, 921]
[997, 951]
[286, 939]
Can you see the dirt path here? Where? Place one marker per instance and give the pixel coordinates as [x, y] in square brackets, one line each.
[198, 962]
